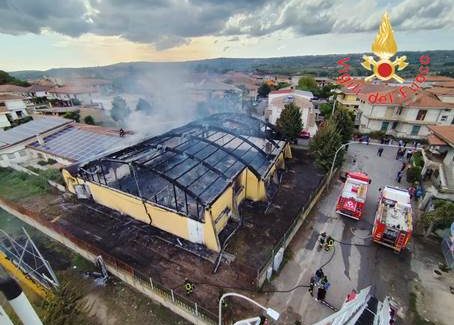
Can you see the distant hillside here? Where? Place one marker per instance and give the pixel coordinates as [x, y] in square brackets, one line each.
[5, 78]
[319, 65]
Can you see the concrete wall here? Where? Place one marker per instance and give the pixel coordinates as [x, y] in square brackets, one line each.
[190, 313]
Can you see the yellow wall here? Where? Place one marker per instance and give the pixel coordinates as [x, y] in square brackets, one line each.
[224, 201]
[255, 188]
[166, 220]
[180, 225]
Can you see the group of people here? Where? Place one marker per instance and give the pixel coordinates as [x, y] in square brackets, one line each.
[319, 280]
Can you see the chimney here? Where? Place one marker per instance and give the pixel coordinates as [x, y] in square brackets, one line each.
[40, 140]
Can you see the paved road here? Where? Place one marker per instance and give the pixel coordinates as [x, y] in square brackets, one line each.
[351, 267]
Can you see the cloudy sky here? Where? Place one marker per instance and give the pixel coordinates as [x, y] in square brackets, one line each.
[41, 34]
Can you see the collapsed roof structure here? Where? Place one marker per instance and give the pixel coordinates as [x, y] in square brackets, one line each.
[190, 180]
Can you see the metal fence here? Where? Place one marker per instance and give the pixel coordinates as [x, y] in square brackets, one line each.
[168, 294]
[283, 241]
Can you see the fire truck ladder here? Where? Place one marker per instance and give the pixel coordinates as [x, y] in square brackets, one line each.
[400, 240]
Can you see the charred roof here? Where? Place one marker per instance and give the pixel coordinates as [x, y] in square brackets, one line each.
[188, 168]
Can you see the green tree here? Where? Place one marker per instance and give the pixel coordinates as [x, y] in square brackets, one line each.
[343, 119]
[282, 84]
[144, 106]
[290, 123]
[89, 120]
[120, 110]
[72, 116]
[264, 90]
[324, 92]
[324, 145]
[64, 306]
[5, 78]
[307, 83]
[441, 217]
[326, 109]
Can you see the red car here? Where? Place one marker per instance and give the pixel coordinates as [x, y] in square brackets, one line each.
[304, 135]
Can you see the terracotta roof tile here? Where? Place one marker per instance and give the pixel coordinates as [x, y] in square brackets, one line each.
[438, 78]
[435, 141]
[12, 89]
[444, 132]
[4, 97]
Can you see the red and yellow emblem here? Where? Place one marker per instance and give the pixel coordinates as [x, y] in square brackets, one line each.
[385, 48]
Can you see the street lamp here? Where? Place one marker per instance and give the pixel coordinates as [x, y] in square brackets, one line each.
[335, 156]
[269, 311]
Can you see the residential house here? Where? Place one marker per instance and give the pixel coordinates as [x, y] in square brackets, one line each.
[439, 158]
[55, 138]
[404, 117]
[70, 95]
[303, 99]
[348, 97]
[219, 96]
[12, 108]
[444, 91]
[13, 142]
[433, 81]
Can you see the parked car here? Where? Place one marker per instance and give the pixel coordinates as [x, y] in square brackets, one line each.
[304, 135]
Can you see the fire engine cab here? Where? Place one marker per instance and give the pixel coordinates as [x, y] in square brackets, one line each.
[353, 197]
[393, 222]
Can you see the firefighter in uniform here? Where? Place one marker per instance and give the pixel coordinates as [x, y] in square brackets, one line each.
[188, 286]
[329, 243]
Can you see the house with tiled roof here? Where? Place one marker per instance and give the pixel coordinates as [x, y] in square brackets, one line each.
[439, 161]
[348, 96]
[303, 99]
[407, 116]
[12, 109]
[70, 95]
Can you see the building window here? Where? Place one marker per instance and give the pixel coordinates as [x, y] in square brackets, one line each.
[19, 114]
[415, 129]
[394, 125]
[444, 118]
[399, 110]
[421, 115]
[384, 126]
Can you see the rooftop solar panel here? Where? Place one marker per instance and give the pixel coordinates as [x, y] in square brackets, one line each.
[31, 129]
[76, 144]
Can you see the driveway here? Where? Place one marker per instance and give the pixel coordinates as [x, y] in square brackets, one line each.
[355, 264]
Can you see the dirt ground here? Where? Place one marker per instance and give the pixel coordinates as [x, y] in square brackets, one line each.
[116, 303]
[137, 244]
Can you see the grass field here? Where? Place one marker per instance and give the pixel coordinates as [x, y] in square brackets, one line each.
[15, 185]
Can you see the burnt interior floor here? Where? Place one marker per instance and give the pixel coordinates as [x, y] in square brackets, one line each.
[144, 249]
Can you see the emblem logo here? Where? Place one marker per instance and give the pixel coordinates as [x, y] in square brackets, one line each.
[385, 48]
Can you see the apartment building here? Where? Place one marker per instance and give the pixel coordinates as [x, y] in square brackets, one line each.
[406, 117]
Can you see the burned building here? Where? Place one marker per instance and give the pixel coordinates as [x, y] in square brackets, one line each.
[189, 181]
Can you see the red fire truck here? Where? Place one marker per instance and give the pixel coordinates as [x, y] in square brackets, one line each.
[393, 222]
[353, 197]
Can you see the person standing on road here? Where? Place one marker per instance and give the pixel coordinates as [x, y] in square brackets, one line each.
[311, 285]
[321, 294]
[380, 151]
[404, 165]
[319, 275]
[399, 176]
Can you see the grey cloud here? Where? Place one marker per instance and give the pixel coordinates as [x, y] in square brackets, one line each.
[170, 23]
[22, 16]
